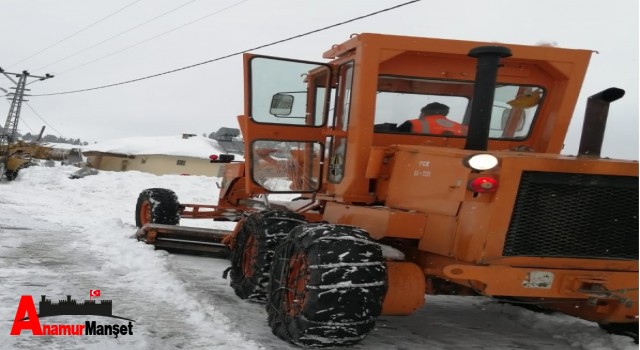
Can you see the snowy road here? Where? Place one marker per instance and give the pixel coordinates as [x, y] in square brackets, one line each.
[65, 237]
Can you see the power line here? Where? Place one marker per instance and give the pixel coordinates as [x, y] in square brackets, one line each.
[117, 35]
[155, 37]
[25, 124]
[76, 33]
[234, 54]
[44, 121]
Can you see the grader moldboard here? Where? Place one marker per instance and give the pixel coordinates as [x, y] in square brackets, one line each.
[388, 217]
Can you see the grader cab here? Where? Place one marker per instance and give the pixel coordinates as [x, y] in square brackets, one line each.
[388, 216]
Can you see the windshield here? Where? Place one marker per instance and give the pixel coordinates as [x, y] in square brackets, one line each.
[400, 100]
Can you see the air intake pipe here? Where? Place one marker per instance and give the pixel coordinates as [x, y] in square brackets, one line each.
[595, 121]
[483, 93]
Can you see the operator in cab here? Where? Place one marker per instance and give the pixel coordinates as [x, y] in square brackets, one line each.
[433, 120]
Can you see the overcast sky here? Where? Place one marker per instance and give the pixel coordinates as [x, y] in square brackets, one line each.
[91, 43]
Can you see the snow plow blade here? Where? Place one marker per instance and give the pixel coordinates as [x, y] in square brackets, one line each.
[184, 238]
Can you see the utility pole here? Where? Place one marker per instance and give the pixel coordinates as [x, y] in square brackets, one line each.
[8, 134]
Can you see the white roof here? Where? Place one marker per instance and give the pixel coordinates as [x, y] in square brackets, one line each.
[58, 145]
[194, 146]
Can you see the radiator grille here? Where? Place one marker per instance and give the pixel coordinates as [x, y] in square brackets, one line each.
[574, 215]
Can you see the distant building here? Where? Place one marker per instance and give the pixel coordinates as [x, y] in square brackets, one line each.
[186, 154]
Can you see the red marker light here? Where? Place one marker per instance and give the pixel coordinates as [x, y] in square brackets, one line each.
[483, 184]
[213, 157]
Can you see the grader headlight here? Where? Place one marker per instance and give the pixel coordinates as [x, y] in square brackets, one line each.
[480, 162]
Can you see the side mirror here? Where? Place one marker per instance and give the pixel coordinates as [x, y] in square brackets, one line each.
[281, 104]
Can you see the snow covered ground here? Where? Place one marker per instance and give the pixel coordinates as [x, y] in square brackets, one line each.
[61, 237]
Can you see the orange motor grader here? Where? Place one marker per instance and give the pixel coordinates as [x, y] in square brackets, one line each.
[386, 216]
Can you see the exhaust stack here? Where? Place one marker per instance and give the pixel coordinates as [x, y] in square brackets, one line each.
[595, 121]
[483, 93]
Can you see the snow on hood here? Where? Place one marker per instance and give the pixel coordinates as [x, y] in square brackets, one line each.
[194, 146]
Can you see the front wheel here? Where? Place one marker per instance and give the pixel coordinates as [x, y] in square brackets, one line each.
[252, 253]
[327, 286]
[157, 206]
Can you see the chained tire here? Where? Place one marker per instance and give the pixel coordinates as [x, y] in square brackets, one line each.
[327, 286]
[252, 255]
[157, 206]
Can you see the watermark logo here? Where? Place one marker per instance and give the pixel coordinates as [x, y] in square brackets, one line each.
[28, 318]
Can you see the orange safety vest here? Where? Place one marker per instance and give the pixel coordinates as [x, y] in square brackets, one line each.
[437, 124]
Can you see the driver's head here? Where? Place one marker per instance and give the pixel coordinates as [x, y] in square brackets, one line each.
[435, 108]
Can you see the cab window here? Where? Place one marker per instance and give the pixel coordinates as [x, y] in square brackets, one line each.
[400, 99]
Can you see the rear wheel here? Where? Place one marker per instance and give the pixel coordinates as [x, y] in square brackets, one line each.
[157, 206]
[252, 255]
[327, 286]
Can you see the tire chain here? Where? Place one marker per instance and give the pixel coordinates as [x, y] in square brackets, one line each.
[344, 290]
[270, 228]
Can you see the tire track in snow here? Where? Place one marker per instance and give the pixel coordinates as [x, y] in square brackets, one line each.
[99, 253]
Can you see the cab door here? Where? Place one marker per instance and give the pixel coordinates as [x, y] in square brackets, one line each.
[284, 124]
